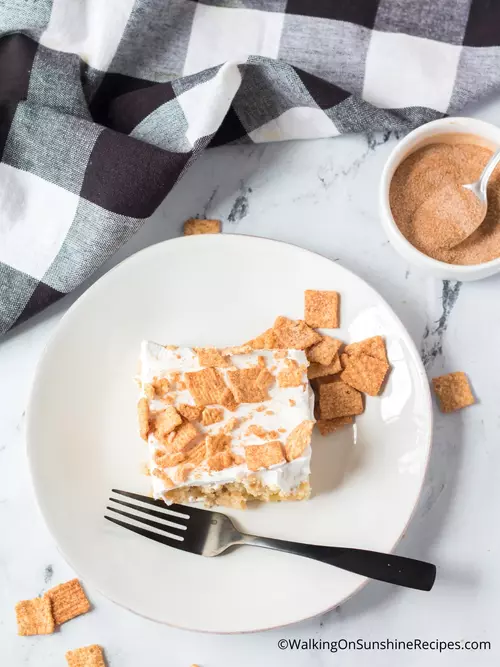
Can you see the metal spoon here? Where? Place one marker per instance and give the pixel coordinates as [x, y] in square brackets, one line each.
[479, 188]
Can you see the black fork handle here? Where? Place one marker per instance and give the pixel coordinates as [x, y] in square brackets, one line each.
[390, 568]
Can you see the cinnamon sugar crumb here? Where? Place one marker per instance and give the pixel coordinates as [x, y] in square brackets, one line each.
[165, 460]
[255, 429]
[211, 356]
[291, 376]
[143, 414]
[149, 390]
[217, 443]
[230, 425]
[212, 416]
[266, 341]
[220, 461]
[183, 471]
[156, 472]
[190, 412]
[183, 436]
[228, 400]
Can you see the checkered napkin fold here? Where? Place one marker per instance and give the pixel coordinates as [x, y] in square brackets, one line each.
[105, 103]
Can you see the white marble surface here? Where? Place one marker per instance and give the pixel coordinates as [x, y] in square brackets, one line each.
[320, 195]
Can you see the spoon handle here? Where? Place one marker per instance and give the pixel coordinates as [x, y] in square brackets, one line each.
[488, 170]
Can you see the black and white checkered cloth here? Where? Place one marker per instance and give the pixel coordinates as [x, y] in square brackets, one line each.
[104, 103]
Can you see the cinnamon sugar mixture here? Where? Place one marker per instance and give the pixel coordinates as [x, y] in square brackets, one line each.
[436, 214]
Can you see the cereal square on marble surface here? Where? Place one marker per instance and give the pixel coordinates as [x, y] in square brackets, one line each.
[34, 617]
[197, 226]
[453, 391]
[68, 601]
[264, 456]
[337, 399]
[322, 308]
[365, 373]
[87, 656]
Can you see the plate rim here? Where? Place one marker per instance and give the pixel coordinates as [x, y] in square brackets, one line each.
[156, 247]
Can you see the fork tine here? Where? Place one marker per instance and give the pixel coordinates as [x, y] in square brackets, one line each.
[186, 511]
[148, 522]
[163, 539]
[179, 509]
[159, 515]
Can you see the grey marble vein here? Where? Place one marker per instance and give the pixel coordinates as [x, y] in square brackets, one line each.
[240, 206]
[432, 340]
[48, 573]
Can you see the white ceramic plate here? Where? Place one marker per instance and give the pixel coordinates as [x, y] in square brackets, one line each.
[83, 440]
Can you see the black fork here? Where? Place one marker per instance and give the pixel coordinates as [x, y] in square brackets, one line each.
[208, 533]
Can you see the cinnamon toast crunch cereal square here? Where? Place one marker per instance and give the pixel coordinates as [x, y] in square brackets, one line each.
[365, 373]
[197, 226]
[87, 656]
[34, 617]
[322, 308]
[453, 391]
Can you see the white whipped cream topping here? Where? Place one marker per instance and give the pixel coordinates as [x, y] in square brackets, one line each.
[289, 407]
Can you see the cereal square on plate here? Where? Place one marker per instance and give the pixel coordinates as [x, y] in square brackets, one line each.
[322, 308]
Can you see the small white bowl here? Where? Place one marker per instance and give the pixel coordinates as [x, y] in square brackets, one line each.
[487, 134]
